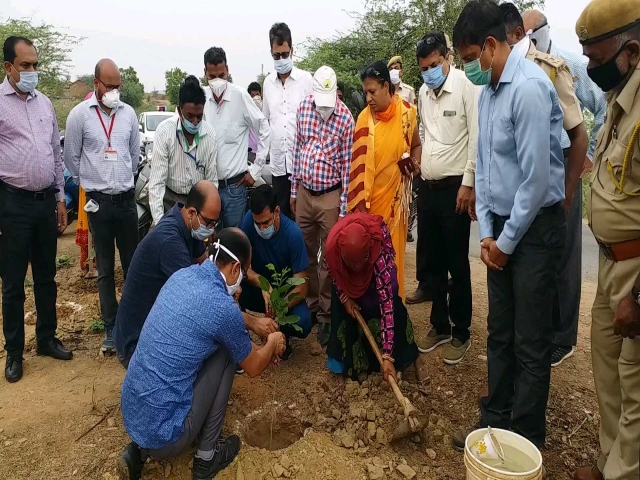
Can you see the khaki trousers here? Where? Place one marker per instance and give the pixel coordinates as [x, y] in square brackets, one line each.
[616, 371]
[316, 216]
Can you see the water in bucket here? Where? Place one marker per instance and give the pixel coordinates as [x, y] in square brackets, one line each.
[515, 461]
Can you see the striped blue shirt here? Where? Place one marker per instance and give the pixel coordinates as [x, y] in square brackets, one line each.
[588, 93]
[86, 141]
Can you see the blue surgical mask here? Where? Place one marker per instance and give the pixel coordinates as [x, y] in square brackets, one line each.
[283, 65]
[434, 77]
[202, 232]
[267, 233]
[190, 127]
[475, 74]
[28, 82]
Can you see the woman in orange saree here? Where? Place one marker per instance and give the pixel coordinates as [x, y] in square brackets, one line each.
[385, 151]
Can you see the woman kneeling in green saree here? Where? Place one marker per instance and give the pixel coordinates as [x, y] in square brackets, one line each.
[361, 261]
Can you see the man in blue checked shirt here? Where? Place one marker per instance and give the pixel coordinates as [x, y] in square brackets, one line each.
[320, 182]
[519, 205]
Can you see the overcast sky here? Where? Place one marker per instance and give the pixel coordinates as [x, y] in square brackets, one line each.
[156, 35]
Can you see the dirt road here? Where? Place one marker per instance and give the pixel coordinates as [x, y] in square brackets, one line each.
[62, 421]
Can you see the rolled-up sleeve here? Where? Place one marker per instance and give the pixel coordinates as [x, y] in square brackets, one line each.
[532, 106]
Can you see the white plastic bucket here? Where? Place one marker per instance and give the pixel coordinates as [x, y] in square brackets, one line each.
[477, 470]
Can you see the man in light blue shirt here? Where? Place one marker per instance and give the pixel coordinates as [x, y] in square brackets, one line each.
[519, 195]
[102, 147]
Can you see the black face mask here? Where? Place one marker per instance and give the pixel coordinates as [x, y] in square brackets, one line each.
[608, 76]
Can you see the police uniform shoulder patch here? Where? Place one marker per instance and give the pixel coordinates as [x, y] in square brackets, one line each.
[552, 61]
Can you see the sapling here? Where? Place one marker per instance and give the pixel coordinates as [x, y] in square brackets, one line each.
[280, 295]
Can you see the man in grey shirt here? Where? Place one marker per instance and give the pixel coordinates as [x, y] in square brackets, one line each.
[102, 145]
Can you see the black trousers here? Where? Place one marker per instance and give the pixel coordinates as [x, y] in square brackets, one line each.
[445, 243]
[282, 187]
[29, 233]
[421, 245]
[113, 222]
[519, 345]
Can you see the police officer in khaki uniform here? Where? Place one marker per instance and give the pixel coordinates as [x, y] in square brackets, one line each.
[406, 92]
[610, 34]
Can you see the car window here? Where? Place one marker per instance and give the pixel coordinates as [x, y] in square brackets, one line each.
[154, 120]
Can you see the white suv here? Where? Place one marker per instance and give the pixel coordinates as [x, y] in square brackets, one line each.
[149, 122]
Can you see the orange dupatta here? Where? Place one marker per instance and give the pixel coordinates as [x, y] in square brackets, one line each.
[82, 229]
[376, 184]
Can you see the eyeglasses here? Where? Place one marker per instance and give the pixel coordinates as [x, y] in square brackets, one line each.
[209, 222]
[110, 87]
[279, 55]
[429, 40]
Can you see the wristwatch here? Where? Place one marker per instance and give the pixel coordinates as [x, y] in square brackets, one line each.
[635, 293]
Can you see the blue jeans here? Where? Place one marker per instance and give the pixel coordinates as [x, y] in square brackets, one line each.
[234, 204]
[251, 299]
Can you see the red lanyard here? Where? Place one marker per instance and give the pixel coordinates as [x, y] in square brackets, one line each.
[108, 134]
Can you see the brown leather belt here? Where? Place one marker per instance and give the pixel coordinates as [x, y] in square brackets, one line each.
[619, 252]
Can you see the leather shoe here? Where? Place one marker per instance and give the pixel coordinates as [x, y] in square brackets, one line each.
[588, 473]
[54, 348]
[421, 295]
[13, 369]
[131, 463]
[324, 332]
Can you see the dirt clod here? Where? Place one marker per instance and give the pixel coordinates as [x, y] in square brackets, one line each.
[277, 470]
[375, 472]
[315, 349]
[406, 471]
[431, 453]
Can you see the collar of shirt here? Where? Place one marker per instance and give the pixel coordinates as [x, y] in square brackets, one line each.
[293, 76]
[196, 139]
[447, 86]
[7, 89]
[508, 72]
[628, 94]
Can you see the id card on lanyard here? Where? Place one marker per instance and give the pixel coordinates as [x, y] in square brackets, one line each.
[110, 154]
[189, 154]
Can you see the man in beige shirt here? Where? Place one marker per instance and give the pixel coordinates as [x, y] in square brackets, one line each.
[448, 106]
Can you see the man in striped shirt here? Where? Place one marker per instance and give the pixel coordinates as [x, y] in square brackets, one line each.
[184, 152]
[31, 192]
[320, 182]
[102, 147]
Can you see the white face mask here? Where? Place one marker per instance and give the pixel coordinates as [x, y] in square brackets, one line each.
[395, 76]
[325, 112]
[258, 101]
[111, 99]
[218, 86]
[231, 289]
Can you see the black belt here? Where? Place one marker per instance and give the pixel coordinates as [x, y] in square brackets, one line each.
[231, 181]
[444, 183]
[550, 210]
[39, 195]
[120, 197]
[317, 193]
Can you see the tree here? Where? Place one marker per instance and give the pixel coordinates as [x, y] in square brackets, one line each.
[54, 50]
[132, 91]
[174, 78]
[385, 29]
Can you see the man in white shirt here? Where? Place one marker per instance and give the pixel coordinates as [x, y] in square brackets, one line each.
[233, 113]
[448, 105]
[406, 92]
[284, 89]
[184, 153]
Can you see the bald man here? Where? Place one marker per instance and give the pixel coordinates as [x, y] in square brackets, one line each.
[102, 146]
[176, 242]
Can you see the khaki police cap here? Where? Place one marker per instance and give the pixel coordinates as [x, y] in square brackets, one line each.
[603, 19]
[396, 59]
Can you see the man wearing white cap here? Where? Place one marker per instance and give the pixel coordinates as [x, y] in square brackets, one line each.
[320, 181]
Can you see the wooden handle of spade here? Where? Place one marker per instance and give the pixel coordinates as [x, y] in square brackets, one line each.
[374, 346]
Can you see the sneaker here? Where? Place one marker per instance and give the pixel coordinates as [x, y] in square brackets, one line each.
[433, 341]
[239, 370]
[288, 351]
[560, 354]
[108, 344]
[421, 295]
[224, 454]
[130, 463]
[455, 351]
